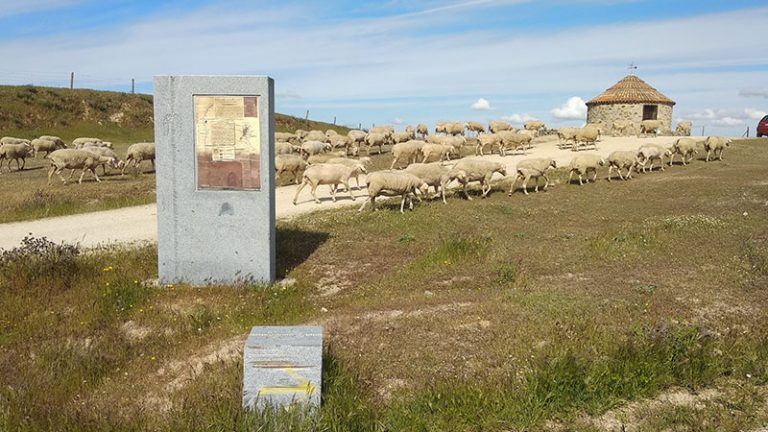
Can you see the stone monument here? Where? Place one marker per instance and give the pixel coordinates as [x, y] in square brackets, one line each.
[215, 178]
[282, 366]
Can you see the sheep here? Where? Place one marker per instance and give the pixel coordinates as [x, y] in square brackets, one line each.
[137, 153]
[385, 129]
[376, 139]
[359, 166]
[532, 169]
[324, 157]
[566, 134]
[15, 152]
[310, 148]
[514, 140]
[286, 137]
[47, 146]
[683, 128]
[650, 126]
[330, 133]
[422, 130]
[397, 182]
[436, 175]
[495, 126]
[620, 127]
[290, 163]
[12, 140]
[286, 148]
[401, 137]
[534, 125]
[476, 127]
[684, 147]
[300, 134]
[55, 139]
[343, 142]
[330, 174]
[408, 151]
[715, 145]
[442, 151]
[75, 159]
[583, 164]
[587, 135]
[621, 160]
[410, 131]
[441, 127]
[486, 140]
[316, 135]
[651, 152]
[80, 142]
[469, 170]
[357, 136]
[105, 152]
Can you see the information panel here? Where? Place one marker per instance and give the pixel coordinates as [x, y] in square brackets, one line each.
[227, 142]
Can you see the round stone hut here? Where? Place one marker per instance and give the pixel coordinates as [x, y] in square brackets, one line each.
[630, 101]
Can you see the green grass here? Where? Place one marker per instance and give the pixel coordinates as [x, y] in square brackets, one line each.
[539, 312]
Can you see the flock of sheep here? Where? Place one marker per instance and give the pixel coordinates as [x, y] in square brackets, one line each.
[85, 154]
[424, 157]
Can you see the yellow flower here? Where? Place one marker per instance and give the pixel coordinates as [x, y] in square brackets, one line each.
[107, 268]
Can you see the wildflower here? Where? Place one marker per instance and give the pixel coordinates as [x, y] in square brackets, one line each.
[107, 268]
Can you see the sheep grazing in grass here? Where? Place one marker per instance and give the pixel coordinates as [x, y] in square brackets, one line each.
[479, 170]
[15, 152]
[394, 183]
[376, 139]
[137, 153]
[46, 146]
[436, 175]
[650, 153]
[439, 151]
[316, 135]
[359, 166]
[114, 160]
[489, 140]
[620, 127]
[407, 151]
[583, 164]
[621, 160]
[683, 128]
[685, 147]
[588, 135]
[476, 127]
[75, 159]
[513, 141]
[714, 145]
[291, 163]
[330, 174]
[532, 169]
[650, 127]
[422, 130]
[497, 126]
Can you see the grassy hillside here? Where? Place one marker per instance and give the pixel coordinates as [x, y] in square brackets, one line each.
[29, 111]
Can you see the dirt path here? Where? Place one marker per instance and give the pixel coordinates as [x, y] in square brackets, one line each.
[139, 224]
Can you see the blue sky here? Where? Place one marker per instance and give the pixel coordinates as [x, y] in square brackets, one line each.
[405, 62]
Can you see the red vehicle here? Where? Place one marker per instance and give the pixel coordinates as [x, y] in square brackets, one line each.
[762, 127]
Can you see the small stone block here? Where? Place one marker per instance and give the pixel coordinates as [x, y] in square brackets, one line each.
[282, 365]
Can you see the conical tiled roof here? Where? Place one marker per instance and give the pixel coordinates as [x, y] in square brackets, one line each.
[631, 89]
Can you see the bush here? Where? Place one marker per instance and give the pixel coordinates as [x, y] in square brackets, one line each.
[39, 264]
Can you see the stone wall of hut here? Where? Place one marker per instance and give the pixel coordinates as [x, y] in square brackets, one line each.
[633, 113]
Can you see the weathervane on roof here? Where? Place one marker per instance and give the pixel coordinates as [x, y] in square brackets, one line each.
[632, 68]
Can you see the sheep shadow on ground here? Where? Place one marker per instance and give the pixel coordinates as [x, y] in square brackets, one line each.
[294, 246]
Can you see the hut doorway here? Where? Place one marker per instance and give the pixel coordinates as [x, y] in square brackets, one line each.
[650, 112]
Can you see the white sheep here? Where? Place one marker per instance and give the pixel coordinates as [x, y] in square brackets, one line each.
[300, 133]
[376, 139]
[12, 140]
[45, 145]
[286, 148]
[55, 139]
[587, 135]
[324, 157]
[620, 160]
[384, 129]
[15, 152]
[357, 136]
[620, 127]
[651, 152]
[441, 151]
[495, 126]
[407, 151]
[683, 128]
[316, 135]
[715, 145]
[486, 140]
[309, 148]
[534, 126]
[137, 153]
[401, 137]
[291, 163]
[82, 141]
[532, 169]
[394, 182]
[330, 174]
[359, 166]
[342, 142]
[475, 126]
[103, 152]
[651, 126]
[566, 134]
[514, 141]
[469, 170]
[422, 130]
[436, 175]
[685, 147]
[583, 164]
[330, 133]
[74, 159]
[286, 137]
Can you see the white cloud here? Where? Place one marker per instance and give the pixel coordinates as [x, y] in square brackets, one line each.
[573, 109]
[398, 121]
[727, 121]
[756, 91]
[482, 104]
[754, 114]
[519, 118]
